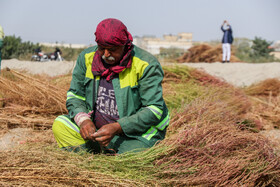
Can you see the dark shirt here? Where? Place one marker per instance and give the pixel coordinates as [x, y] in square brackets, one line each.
[106, 107]
[227, 37]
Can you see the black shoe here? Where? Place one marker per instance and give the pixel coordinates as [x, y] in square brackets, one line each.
[223, 61]
[228, 61]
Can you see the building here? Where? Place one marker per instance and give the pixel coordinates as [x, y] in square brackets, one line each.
[276, 47]
[153, 45]
[64, 45]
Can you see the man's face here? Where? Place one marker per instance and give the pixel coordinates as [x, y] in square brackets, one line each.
[111, 55]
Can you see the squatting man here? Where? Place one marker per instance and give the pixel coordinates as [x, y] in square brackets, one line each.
[115, 101]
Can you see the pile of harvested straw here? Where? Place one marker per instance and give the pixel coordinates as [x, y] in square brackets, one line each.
[266, 96]
[268, 87]
[205, 53]
[29, 102]
[210, 149]
[39, 166]
[206, 143]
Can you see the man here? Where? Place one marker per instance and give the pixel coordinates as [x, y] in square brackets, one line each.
[226, 41]
[115, 98]
[1, 44]
[57, 54]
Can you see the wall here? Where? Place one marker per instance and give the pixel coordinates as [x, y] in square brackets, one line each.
[152, 44]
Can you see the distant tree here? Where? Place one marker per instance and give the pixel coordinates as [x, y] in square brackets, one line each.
[261, 50]
[13, 47]
[10, 47]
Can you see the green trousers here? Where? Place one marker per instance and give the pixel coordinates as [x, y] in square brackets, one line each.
[67, 135]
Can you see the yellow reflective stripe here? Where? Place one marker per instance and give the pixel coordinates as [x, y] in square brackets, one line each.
[88, 62]
[68, 123]
[164, 123]
[150, 133]
[71, 95]
[155, 110]
[130, 76]
[154, 129]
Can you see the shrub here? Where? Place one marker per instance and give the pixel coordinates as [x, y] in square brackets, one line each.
[13, 47]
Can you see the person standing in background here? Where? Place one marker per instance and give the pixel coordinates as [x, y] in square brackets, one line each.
[226, 41]
[1, 44]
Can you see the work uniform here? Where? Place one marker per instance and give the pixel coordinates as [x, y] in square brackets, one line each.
[143, 115]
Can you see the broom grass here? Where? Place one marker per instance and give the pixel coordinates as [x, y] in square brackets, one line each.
[208, 142]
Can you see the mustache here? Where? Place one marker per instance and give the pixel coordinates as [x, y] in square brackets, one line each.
[108, 58]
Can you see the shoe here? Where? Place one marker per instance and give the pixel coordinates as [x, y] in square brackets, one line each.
[228, 61]
[223, 61]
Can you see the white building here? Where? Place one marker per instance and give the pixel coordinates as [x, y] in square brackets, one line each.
[152, 44]
[64, 45]
[276, 47]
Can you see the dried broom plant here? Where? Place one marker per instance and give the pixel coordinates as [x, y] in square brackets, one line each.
[266, 98]
[39, 166]
[28, 101]
[209, 149]
[205, 146]
[205, 53]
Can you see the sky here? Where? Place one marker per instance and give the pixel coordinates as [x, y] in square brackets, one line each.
[75, 21]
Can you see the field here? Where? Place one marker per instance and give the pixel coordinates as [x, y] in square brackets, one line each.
[218, 135]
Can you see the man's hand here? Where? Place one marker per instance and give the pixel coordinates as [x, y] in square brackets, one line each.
[87, 129]
[106, 133]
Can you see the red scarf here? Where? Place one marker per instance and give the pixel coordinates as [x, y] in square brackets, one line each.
[112, 32]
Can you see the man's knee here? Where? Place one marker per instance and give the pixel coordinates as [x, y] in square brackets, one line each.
[65, 134]
[56, 127]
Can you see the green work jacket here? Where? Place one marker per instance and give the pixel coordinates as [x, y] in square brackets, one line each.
[142, 111]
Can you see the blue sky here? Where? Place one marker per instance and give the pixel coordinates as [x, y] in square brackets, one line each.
[74, 21]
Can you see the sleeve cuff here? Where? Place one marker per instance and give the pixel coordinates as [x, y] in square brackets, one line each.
[81, 117]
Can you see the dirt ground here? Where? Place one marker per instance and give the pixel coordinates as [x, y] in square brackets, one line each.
[51, 68]
[240, 74]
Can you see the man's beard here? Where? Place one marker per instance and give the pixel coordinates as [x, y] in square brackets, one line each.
[110, 58]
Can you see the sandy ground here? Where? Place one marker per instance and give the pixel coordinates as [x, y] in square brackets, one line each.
[238, 74]
[14, 137]
[51, 68]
